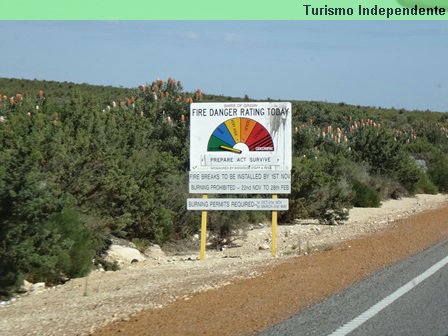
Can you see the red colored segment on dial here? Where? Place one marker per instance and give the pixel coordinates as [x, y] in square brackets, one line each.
[260, 139]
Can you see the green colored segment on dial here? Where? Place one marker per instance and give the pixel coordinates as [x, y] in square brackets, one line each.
[214, 143]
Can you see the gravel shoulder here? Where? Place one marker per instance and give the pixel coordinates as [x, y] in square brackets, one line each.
[105, 303]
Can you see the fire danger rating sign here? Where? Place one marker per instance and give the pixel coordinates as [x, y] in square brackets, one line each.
[237, 204]
[240, 148]
[247, 135]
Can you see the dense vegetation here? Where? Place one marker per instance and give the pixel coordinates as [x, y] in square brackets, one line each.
[79, 163]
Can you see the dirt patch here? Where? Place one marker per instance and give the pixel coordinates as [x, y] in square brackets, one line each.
[176, 295]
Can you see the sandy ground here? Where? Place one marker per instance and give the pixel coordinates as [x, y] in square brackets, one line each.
[175, 296]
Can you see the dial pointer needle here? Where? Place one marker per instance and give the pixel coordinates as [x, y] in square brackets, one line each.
[230, 149]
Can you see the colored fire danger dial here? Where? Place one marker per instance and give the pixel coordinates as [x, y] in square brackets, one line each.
[240, 134]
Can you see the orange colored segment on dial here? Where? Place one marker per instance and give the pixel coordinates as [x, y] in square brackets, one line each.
[247, 125]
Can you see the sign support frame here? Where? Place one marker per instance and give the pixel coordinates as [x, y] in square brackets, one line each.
[203, 232]
[274, 230]
[231, 145]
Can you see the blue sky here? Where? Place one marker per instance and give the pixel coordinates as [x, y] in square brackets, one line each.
[401, 64]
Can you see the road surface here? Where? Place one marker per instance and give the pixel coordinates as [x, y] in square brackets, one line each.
[409, 298]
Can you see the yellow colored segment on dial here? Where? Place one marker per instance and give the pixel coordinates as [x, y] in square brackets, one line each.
[233, 125]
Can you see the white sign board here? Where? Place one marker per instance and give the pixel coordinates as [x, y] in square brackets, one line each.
[237, 204]
[240, 136]
[240, 182]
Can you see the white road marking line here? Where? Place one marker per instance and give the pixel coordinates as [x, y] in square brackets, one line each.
[372, 311]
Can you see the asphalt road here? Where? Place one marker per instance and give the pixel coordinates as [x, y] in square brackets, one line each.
[409, 298]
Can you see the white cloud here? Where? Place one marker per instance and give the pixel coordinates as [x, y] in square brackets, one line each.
[191, 35]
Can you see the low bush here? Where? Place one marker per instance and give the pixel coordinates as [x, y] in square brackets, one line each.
[426, 186]
[364, 196]
[58, 248]
[438, 172]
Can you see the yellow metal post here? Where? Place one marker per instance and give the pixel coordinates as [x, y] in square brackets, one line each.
[274, 230]
[203, 233]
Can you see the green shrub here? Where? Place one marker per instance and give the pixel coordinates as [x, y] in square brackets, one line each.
[50, 251]
[438, 173]
[386, 156]
[319, 189]
[75, 260]
[364, 196]
[61, 248]
[10, 278]
[426, 186]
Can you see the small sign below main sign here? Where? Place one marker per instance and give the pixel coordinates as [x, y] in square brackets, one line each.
[281, 204]
[240, 182]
